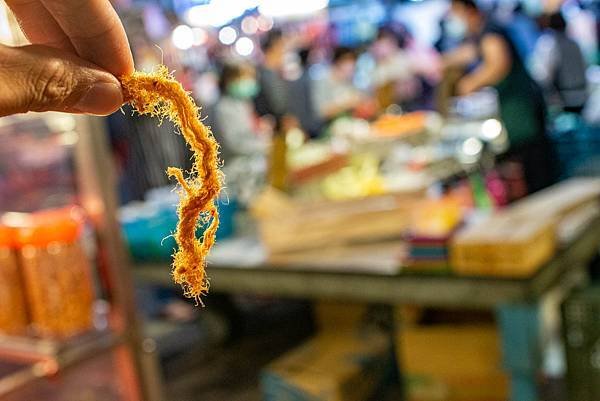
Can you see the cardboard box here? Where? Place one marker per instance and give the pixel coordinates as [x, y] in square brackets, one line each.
[518, 240]
[446, 362]
[503, 245]
[329, 367]
[339, 316]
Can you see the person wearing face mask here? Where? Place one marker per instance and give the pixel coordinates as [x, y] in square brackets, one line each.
[336, 94]
[273, 91]
[498, 64]
[394, 76]
[300, 99]
[240, 131]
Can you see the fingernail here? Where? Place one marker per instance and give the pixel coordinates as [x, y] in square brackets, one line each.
[102, 98]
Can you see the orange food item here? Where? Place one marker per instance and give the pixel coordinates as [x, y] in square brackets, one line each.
[391, 125]
[159, 94]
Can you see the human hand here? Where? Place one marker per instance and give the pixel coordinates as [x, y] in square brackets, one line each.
[78, 49]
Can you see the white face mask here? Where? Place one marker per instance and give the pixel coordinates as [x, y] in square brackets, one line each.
[456, 28]
[534, 8]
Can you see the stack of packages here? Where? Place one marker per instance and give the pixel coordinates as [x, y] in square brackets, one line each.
[344, 362]
[427, 253]
[54, 271]
[432, 226]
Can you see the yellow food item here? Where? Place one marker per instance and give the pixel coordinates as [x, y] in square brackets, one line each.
[159, 94]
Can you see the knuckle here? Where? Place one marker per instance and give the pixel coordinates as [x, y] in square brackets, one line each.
[52, 84]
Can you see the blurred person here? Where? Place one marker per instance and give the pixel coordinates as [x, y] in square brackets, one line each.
[521, 103]
[450, 35]
[394, 75]
[271, 99]
[335, 94]
[238, 126]
[77, 51]
[523, 31]
[559, 66]
[301, 97]
[245, 137]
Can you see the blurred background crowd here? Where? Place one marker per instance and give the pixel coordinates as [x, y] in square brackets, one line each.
[265, 69]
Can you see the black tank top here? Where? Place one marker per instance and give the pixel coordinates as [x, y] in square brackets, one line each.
[522, 107]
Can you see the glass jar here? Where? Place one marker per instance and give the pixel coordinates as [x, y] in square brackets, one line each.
[56, 273]
[13, 316]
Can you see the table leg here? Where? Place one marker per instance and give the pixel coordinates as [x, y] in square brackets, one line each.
[519, 326]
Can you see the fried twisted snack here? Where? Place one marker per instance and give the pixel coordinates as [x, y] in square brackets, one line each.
[159, 94]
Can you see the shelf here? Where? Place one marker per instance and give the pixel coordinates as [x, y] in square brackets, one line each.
[24, 360]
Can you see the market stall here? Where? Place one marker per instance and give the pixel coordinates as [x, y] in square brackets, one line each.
[392, 199]
[374, 272]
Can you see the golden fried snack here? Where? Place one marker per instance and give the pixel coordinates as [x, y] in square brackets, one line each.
[159, 94]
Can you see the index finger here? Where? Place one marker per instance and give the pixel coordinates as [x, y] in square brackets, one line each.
[95, 31]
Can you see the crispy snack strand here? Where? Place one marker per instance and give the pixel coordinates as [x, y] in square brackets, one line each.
[159, 94]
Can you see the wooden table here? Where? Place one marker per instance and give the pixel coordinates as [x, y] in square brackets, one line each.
[370, 273]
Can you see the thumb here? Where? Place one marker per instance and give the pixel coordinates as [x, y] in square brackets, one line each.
[40, 78]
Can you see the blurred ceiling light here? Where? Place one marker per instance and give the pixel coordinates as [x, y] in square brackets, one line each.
[183, 37]
[218, 12]
[472, 147]
[249, 25]
[491, 129]
[227, 35]
[207, 15]
[244, 46]
[265, 23]
[280, 8]
[200, 36]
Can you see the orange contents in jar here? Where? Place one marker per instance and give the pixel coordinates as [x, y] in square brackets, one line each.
[56, 272]
[13, 315]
